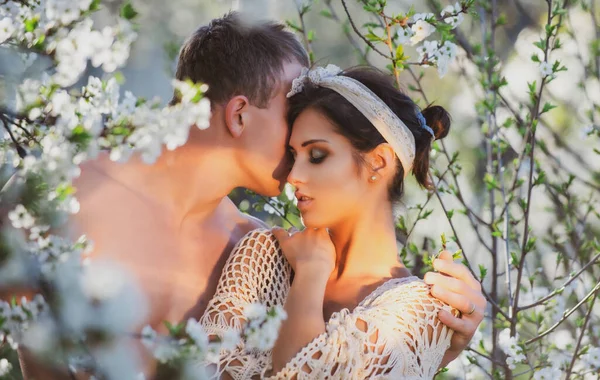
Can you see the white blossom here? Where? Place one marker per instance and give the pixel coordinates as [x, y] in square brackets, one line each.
[6, 29]
[166, 351]
[509, 344]
[5, 367]
[255, 311]
[148, 336]
[290, 194]
[546, 68]
[421, 30]
[102, 281]
[21, 218]
[428, 50]
[548, 373]
[262, 325]
[230, 339]
[455, 15]
[422, 16]
[195, 330]
[592, 357]
[405, 35]
[445, 55]
[274, 207]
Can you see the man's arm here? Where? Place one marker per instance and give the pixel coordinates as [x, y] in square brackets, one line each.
[456, 286]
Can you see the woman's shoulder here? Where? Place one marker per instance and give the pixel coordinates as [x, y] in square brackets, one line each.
[261, 248]
[259, 237]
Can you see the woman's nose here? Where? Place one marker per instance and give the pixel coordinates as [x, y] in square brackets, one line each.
[296, 175]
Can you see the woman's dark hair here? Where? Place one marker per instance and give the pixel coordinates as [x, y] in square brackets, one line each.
[363, 136]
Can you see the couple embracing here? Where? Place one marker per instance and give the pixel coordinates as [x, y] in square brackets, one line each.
[346, 140]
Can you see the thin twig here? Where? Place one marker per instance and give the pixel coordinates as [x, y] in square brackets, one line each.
[583, 332]
[360, 34]
[557, 291]
[349, 36]
[565, 315]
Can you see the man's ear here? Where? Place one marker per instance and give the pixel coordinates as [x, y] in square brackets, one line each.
[236, 115]
[381, 160]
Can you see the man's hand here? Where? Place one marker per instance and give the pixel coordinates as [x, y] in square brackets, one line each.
[456, 286]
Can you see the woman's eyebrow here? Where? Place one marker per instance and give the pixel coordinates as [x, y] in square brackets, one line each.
[308, 142]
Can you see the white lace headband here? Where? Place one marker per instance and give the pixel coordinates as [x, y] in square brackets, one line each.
[392, 129]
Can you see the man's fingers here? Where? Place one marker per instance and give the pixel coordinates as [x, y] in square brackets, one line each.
[458, 271]
[459, 302]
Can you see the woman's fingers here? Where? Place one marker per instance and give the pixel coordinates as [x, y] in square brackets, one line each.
[450, 283]
[461, 326]
[460, 302]
[445, 255]
[458, 271]
[280, 234]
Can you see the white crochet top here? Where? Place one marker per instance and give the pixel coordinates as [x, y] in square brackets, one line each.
[394, 333]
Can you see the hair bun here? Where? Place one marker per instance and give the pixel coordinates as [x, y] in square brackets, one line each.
[437, 119]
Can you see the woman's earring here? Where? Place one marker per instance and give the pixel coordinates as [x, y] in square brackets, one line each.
[373, 178]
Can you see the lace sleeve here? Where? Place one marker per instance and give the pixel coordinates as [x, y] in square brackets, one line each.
[254, 272]
[396, 335]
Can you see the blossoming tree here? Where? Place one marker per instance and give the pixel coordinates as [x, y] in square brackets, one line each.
[521, 205]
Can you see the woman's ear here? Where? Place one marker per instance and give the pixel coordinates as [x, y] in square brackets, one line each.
[236, 115]
[381, 160]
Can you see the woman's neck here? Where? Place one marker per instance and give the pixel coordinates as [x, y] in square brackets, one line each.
[366, 245]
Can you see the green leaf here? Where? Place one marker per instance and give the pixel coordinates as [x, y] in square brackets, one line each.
[548, 107]
[400, 52]
[413, 248]
[457, 255]
[514, 260]
[530, 244]
[372, 37]
[127, 11]
[482, 272]
[293, 25]
[326, 13]
[31, 24]
[94, 5]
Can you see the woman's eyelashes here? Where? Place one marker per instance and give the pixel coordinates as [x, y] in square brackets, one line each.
[316, 156]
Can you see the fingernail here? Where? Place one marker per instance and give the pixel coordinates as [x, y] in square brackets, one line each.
[427, 278]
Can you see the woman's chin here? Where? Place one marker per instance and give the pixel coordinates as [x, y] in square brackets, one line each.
[309, 221]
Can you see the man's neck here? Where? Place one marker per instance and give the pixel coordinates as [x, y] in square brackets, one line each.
[185, 185]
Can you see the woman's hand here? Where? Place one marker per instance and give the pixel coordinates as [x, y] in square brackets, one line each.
[456, 286]
[311, 248]
[312, 256]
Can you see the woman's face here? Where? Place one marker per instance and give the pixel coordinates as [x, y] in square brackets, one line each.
[329, 184]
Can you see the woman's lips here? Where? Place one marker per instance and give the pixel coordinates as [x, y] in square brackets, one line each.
[304, 201]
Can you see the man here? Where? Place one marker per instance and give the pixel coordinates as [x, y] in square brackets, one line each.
[171, 224]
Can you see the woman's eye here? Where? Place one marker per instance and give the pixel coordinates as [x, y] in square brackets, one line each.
[317, 156]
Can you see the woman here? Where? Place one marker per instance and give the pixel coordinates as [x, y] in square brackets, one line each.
[354, 311]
